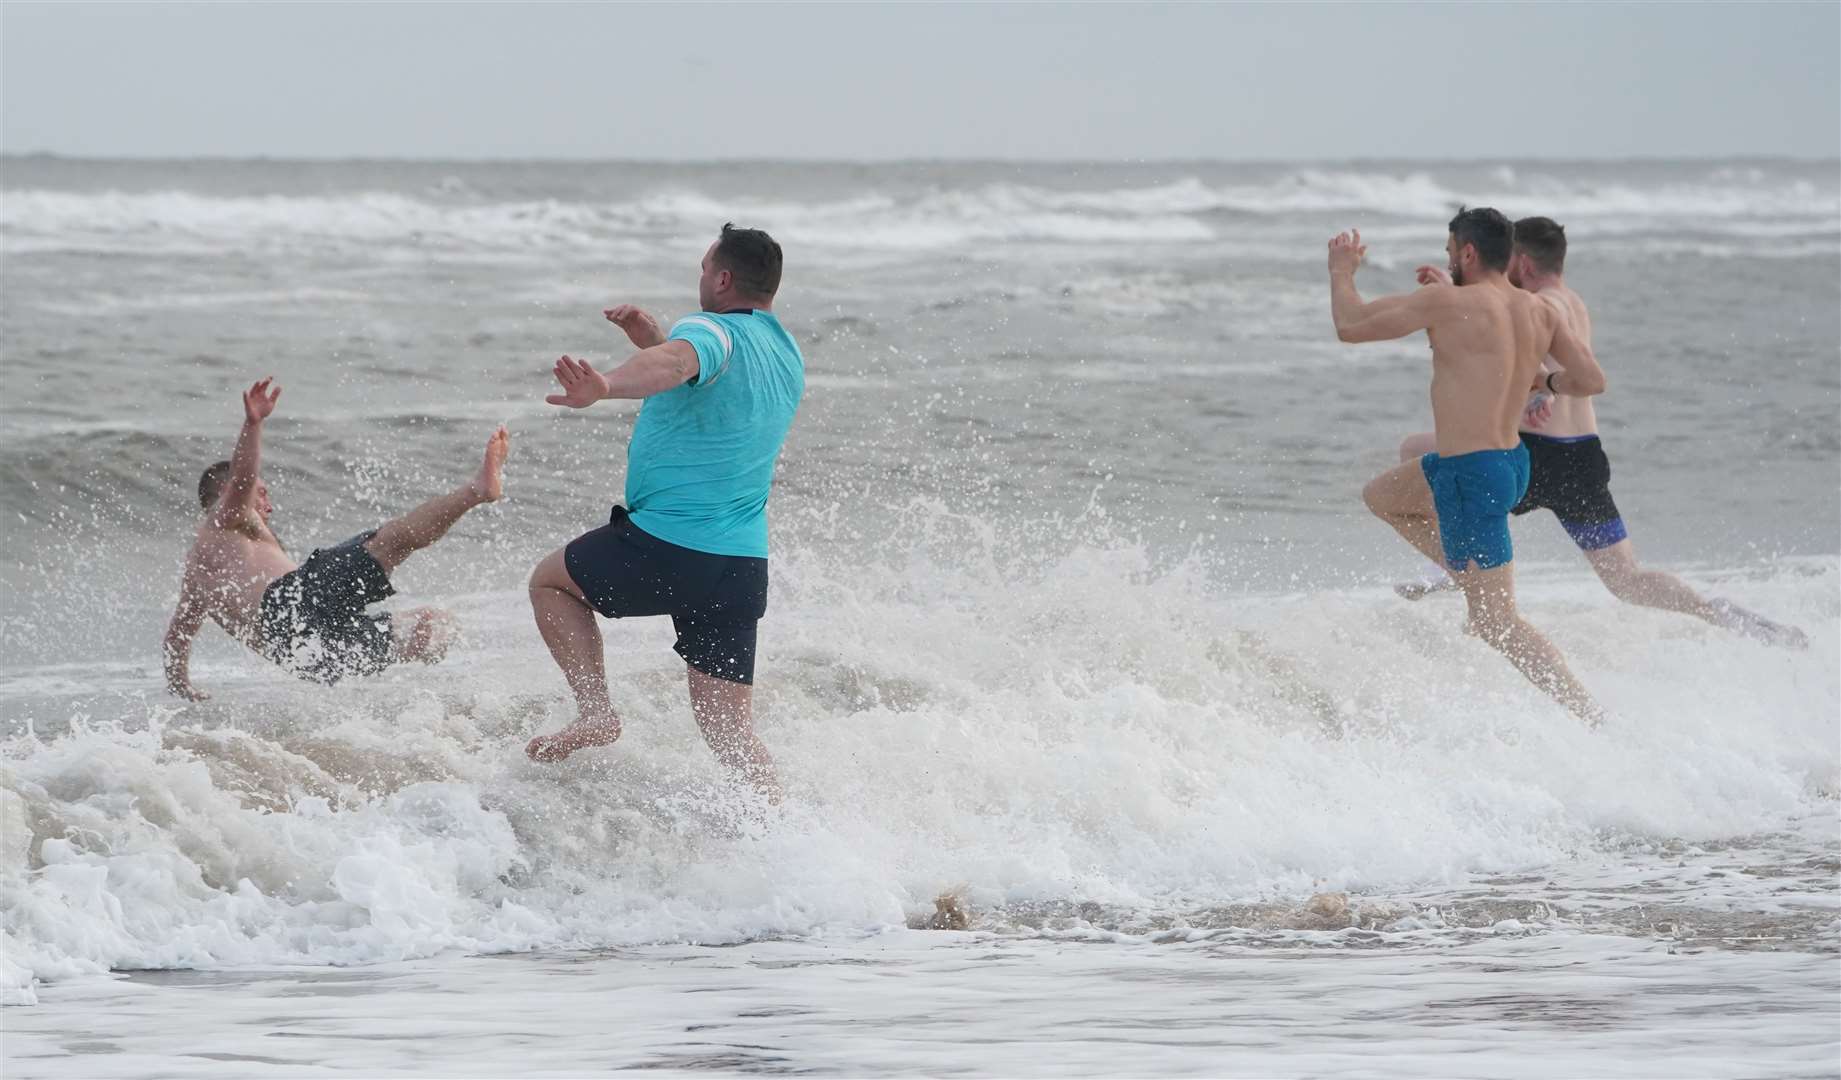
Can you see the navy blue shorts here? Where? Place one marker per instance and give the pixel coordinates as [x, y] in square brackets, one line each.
[1572, 477]
[313, 618]
[714, 600]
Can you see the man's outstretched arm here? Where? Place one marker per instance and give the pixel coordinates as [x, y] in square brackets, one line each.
[1385, 319]
[246, 461]
[649, 371]
[176, 650]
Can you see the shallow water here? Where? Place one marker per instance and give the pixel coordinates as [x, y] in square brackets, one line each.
[1511, 1001]
[1076, 619]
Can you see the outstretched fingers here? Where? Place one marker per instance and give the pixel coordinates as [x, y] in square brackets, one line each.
[573, 376]
[259, 400]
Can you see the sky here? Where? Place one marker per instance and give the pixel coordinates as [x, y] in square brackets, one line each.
[903, 81]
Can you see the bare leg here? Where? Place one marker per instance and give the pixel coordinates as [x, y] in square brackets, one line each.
[568, 627]
[725, 714]
[1617, 568]
[402, 537]
[1401, 497]
[1434, 577]
[1491, 595]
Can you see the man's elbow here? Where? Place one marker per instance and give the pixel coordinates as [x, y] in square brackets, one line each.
[1594, 384]
[1351, 334]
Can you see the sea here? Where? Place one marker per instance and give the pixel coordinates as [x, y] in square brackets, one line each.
[1108, 747]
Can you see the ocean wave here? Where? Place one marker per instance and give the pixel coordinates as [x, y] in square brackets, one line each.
[1185, 211]
[1092, 730]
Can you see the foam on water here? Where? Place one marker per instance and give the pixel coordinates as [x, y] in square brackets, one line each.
[1079, 638]
[1088, 730]
[449, 224]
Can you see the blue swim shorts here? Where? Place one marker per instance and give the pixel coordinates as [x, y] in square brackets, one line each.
[1473, 494]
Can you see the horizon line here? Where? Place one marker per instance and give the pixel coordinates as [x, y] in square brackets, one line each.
[358, 159]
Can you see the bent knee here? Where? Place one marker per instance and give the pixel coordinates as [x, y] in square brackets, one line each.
[552, 573]
[1374, 497]
[1500, 625]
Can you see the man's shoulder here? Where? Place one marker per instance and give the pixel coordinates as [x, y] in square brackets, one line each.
[1557, 308]
[1514, 300]
[211, 531]
[759, 328]
[763, 330]
[1448, 301]
[1565, 301]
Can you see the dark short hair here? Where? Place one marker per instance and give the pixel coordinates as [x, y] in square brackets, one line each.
[211, 484]
[753, 258]
[1488, 231]
[1543, 240]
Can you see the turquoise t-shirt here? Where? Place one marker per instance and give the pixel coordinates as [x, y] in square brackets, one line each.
[702, 456]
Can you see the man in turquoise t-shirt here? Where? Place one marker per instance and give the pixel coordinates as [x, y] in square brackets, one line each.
[720, 392]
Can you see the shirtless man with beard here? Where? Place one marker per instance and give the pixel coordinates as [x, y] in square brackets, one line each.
[1569, 473]
[1488, 341]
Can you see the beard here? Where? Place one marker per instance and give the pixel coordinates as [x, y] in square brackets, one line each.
[1457, 274]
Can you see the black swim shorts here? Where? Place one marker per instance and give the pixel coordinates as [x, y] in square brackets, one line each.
[314, 621]
[1572, 477]
[714, 600]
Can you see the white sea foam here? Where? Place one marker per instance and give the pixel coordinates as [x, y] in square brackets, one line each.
[1091, 730]
[1186, 211]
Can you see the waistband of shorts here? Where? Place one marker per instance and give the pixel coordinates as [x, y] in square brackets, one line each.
[1481, 456]
[621, 518]
[1529, 436]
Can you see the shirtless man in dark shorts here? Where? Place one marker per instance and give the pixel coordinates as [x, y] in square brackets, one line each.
[1569, 473]
[311, 618]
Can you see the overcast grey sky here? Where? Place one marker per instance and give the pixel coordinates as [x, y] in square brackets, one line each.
[1093, 81]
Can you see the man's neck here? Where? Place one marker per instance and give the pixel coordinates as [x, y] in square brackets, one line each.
[1543, 282]
[729, 304]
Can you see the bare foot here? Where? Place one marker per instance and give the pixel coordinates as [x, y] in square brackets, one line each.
[489, 485]
[1753, 625]
[1433, 580]
[577, 736]
[1419, 590]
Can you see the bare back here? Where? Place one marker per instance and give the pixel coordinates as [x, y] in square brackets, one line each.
[1488, 342]
[1571, 415]
[229, 568]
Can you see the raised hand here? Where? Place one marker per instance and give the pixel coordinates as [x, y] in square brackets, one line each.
[1347, 252]
[1433, 275]
[259, 401]
[641, 328]
[582, 386]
